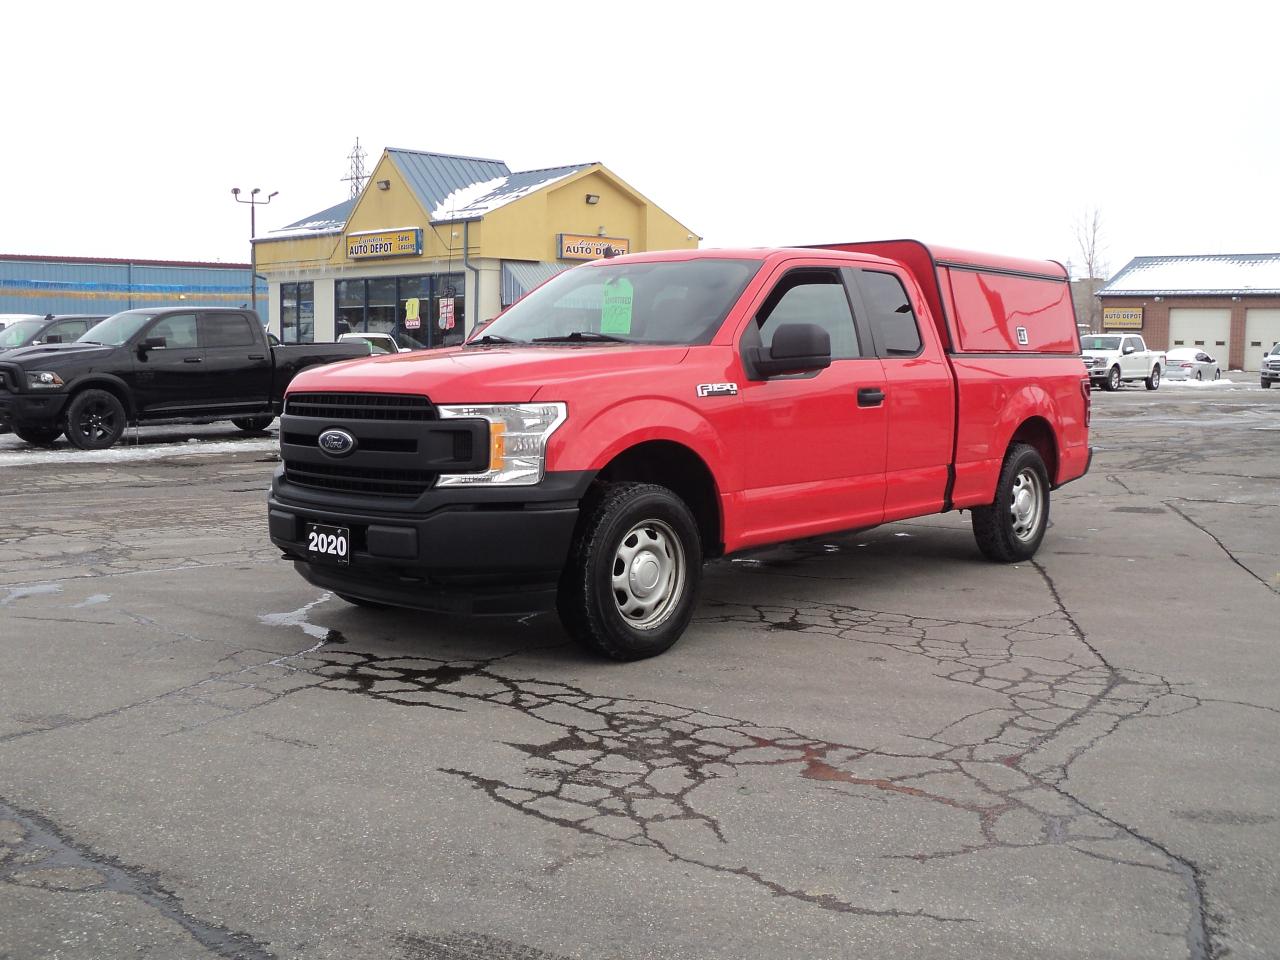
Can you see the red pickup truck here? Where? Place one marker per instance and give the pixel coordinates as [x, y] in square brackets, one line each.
[592, 446]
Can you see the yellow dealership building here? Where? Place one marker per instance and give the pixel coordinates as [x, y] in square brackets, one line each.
[435, 243]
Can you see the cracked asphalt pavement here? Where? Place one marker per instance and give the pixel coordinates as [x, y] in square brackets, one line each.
[867, 745]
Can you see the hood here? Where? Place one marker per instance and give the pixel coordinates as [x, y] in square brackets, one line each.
[487, 374]
[51, 353]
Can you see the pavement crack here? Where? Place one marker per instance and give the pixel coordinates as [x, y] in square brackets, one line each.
[42, 856]
[1222, 546]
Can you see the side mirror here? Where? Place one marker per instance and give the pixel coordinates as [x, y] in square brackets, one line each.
[152, 343]
[1130, 349]
[797, 348]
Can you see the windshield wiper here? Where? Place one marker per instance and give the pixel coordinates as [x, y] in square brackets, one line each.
[489, 338]
[579, 336]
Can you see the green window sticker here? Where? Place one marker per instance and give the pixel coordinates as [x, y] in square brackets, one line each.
[615, 309]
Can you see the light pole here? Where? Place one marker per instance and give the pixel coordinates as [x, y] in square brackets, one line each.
[254, 203]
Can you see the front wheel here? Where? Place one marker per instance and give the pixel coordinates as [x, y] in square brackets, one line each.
[95, 420]
[630, 584]
[1010, 530]
[252, 424]
[1113, 380]
[1153, 381]
[1266, 384]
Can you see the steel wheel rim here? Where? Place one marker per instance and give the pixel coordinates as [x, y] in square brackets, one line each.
[648, 574]
[1115, 379]
[1155, 376]
[1026, 505]
[97, 420]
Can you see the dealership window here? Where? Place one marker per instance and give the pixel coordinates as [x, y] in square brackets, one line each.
[297, 312]
[419, 311]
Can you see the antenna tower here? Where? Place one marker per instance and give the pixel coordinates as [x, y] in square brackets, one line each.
[356, 176]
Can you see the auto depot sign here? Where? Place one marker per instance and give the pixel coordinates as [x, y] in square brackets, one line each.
[1121, 318]
[371, 244]
[576, 246]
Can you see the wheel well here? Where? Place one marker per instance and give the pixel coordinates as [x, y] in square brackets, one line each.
[112, 388]
[1037, 433]
[683, 472]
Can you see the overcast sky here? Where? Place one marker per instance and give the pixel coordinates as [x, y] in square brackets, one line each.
[982, 125]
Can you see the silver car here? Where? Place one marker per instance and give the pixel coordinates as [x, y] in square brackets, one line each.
[1190, 363]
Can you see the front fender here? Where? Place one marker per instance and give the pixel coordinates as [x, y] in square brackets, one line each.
[98, 380]
[591, 444]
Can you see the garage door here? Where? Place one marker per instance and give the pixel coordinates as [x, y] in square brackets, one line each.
[1261, 330]
[1207, 329]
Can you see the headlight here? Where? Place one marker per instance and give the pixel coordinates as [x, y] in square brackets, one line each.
[518, 434]
[43, 378]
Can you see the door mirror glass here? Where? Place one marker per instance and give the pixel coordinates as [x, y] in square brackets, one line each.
[153, 343]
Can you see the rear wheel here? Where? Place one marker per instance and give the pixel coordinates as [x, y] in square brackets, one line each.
[1199, 375]
[38, 436]
[630, 584]
[1011, 529]
[1153, 381]
[95, 420]
[253, 424]
[1113, 380]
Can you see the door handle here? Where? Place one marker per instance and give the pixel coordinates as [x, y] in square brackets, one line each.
[870, 396]
[193, 359]
[257, 356]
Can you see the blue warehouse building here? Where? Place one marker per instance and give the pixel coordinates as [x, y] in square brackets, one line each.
[32, 284]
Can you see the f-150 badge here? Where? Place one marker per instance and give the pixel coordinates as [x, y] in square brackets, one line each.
[717, 389]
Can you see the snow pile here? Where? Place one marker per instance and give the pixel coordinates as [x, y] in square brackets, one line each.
[476, 200]
[125, 453]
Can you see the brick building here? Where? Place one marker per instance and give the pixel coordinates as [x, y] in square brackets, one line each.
[1228, 304]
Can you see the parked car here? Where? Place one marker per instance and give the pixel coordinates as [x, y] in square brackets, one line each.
[1269, 372]
[385, 342]
[590, 447]
[1190, 363]
[1115, 358]
[186, 364]
[51, 328]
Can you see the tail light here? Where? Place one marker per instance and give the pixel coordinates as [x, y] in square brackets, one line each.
[1086, 390]
[1186, 366]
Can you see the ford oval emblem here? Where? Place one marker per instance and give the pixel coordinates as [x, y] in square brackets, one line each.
[337, 443]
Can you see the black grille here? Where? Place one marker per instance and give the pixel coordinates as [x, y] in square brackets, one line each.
[381, 483]
[368, 444]
[360, 406]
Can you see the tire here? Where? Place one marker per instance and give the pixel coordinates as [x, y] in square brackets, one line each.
[1112, 383]
[1199, 375]
[630, 584]
[253, 424]
[1266, 384]
[1153, 381]
[38, 436]
[95, 420]
[1010, 530]
[1217, 374]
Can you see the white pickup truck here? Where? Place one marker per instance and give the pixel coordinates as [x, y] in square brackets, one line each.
[1114, 358]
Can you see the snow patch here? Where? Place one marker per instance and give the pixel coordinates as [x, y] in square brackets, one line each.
[125, 453]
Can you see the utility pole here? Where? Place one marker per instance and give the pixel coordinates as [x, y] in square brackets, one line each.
[254, 203]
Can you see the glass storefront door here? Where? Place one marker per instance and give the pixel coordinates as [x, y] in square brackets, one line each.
[422, 311]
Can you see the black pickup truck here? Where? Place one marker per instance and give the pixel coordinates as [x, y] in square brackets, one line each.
[151, 366]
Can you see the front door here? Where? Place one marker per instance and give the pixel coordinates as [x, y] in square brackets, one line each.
[168, 374]
[815, 442]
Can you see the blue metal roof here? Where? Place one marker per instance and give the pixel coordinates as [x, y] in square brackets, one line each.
[433, 176]
[331, 219]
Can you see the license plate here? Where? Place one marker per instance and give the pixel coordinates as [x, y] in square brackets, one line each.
[329, 544]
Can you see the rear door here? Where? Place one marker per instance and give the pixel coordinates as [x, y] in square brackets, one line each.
[237, 364]
[168, 375]
[919, 396]
[815, 444]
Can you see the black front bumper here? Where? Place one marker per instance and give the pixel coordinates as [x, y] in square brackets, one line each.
[32, 409]
[457, 550]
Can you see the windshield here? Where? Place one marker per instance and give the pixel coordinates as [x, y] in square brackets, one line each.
[117, 329]
[17, 334]
[682, 301]
[1100, 343]
[1275, 349]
